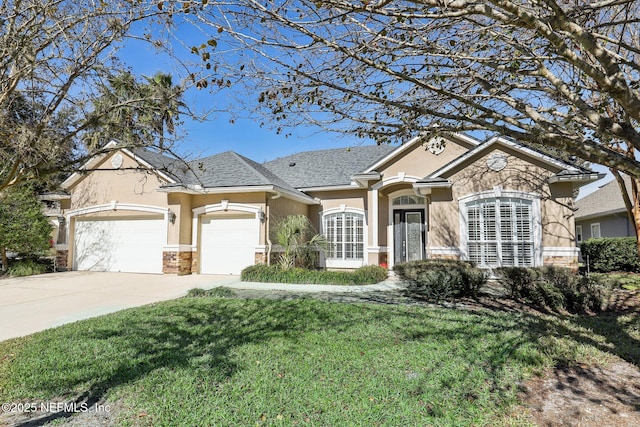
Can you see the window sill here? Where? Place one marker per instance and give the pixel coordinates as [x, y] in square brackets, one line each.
[341, 263]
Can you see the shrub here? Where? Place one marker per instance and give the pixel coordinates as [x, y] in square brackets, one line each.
[276, 274]
[611, 254]
[555, 288]
[219, 292]
[441, 279]
[26, 267]
[371, 274]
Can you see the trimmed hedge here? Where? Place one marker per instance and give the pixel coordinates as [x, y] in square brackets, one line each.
[611, 254]
[555, 288]
[441, 279]
[275, 274]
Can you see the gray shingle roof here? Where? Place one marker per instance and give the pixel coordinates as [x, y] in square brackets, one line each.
[607, 199]
[171, 166]
[324, 168]
[230, 169]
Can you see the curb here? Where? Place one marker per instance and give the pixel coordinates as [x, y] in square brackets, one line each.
[390, 284]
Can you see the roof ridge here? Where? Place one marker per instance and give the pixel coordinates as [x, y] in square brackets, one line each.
[249, 162]
[326, 150]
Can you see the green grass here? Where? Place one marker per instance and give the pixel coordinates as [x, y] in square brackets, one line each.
[628, 281]
[221, 361]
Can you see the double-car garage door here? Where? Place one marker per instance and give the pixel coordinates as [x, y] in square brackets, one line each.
[135, 245]
[131, 245]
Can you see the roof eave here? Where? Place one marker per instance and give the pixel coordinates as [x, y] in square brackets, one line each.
[599, 214]
[340, 187]
[580, 178]
[424, 188]
[54, 196]
[362, 179]
[199, 190]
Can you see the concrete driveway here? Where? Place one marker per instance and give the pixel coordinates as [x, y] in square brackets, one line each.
[31, 304]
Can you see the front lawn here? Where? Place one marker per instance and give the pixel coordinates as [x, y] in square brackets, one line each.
[628, 281]
[223, 361]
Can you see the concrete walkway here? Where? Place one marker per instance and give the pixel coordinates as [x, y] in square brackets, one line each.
[233, 282]
[35, 303]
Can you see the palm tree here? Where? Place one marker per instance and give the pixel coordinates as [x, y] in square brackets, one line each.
[300, 242]
[164, 105]
[134, 112]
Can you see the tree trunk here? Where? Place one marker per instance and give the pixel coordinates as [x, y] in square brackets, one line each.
[3, 254]
[631, 202]
[636, 210]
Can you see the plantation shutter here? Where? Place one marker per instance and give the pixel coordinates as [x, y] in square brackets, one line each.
[500, 232]
[345, 236]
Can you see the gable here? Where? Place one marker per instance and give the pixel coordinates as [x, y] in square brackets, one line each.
[115, 176]
[502, 167]
[418, 161]
[513, 149]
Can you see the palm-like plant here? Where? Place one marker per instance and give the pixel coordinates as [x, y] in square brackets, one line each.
[300, 241]
[164, 105]
[138, 113]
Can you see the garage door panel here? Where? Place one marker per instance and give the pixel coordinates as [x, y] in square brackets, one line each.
[128, 245]
[227, 244]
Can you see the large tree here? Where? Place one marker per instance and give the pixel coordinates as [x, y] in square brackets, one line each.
[23, 226]
[55, 54]
[564, 74]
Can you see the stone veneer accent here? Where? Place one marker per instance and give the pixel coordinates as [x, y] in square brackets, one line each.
[62, 260]
[194, 262]
[260, 258]
[561, 261]
[179, 263]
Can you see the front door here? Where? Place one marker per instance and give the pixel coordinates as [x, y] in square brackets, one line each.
[408, 235]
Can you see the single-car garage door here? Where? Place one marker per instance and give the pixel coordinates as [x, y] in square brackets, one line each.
[228, 243]
[132, 245]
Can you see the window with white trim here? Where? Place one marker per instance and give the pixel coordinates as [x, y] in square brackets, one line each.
[579, 233]
[345, 235]
[595, 231]
[500, 232]
[410, 199]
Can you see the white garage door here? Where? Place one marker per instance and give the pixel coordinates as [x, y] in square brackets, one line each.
[129, 245]
[228, 243]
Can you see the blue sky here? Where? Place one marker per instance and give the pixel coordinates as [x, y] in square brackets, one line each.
[245, 136]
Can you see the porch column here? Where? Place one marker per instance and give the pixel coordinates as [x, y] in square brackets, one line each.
[374, 219]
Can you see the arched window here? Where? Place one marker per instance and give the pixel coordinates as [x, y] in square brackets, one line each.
[345, 236]
[409, 199]
[500, 232]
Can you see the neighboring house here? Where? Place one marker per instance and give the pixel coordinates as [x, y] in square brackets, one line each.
[495, 203]
[603, 214]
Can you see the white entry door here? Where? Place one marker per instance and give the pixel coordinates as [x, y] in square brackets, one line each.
[128, 245]
[228, 243]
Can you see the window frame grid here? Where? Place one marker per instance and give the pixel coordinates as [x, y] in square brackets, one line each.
[486, 249]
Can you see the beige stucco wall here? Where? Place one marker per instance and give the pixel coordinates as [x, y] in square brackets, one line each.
[519, 175]
[278, 209]
[420, 162]
[124, 185]
[181, 205]
[357, 199]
